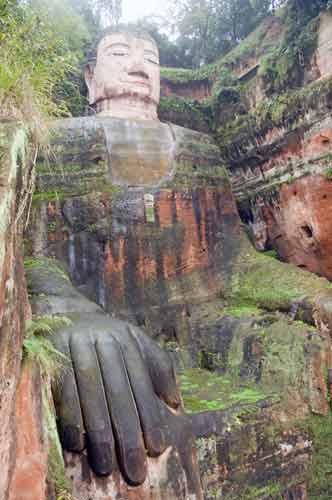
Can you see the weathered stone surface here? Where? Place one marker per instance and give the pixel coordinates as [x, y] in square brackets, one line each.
[140, 245]
[289, 207]
[173, 258]
[173, 471]
[30, 469]
[197, 90]
[22, 450]
[280, 168]
[324, 47]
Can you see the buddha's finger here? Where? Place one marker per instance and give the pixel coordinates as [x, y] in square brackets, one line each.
[100, 442]
[124, 416]
[146, 400]
[161, 368]
[67, 402]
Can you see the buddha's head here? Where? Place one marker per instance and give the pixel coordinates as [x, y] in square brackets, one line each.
[124, 79]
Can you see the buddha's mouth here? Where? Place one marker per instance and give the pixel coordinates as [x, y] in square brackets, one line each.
[140, 82]
[139, 78]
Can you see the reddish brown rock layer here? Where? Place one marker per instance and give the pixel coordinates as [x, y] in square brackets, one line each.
[291, 192]
[29, 475]
[299, 224]
[22, 462]
[196, 90]
[147, 260]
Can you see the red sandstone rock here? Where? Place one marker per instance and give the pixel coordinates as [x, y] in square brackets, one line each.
[23, 449]
[30, 467]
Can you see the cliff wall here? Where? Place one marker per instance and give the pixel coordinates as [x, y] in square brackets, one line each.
[161, 244]
[23, 454]
[273, 125]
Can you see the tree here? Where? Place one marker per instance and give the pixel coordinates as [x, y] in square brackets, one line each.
[207, 29]
[108, 11]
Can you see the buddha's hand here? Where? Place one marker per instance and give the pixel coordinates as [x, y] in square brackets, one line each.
[113, 398]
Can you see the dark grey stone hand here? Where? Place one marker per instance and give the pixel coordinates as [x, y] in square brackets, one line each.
[119, 399]
[114, 393]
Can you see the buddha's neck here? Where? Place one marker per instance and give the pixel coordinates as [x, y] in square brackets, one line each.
[127, 107]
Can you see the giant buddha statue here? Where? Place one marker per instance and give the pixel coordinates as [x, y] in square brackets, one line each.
[119, 405]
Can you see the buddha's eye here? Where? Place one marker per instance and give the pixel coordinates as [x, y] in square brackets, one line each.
[151, 60]
[118, 50]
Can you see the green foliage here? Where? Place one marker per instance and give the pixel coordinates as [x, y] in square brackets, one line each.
[208, 29]
[32, 62]
[328, 173]
[185, 112]
[46, 263]
[320, 471]
[37, 345]
[272, 253]
[43, 47]
[282, 110]
[283, 67]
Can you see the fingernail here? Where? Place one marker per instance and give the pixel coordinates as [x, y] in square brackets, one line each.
[100, 454]
[72, 438]
[135, 466]
[155, 442]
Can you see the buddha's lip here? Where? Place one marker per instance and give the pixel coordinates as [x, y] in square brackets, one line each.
[139, 82]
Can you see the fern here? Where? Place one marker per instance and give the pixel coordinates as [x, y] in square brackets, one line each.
[46, 325]
[37, 345]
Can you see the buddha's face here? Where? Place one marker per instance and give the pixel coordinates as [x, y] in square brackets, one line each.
[126, 67]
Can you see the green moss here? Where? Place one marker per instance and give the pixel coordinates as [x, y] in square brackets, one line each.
[184, 112]
[203, 390]
[328, 173]
[255, 44]
[239, 311]
[272, 253]
[56, 467]
[179, 75]
[55, 195]
[283, 66]
[263, 282]
[271, 490]
[320, 470]
[187, 174]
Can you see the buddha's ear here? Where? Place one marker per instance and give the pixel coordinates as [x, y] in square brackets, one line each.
[89, 77]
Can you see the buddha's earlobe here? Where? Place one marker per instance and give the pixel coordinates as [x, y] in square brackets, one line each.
[89, 77]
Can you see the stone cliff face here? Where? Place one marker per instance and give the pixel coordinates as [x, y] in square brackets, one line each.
[281, 174]
[23, 453]
[161, 244]
[276, 138]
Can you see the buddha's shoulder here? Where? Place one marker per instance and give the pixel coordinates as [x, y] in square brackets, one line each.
[113, 131]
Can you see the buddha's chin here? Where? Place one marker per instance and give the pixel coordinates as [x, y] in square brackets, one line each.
[128, 106]
[138, 93]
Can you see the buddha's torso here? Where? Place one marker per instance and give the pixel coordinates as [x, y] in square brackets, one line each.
[142, 213]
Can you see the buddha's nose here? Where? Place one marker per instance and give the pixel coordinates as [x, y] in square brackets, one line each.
[137, 68]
